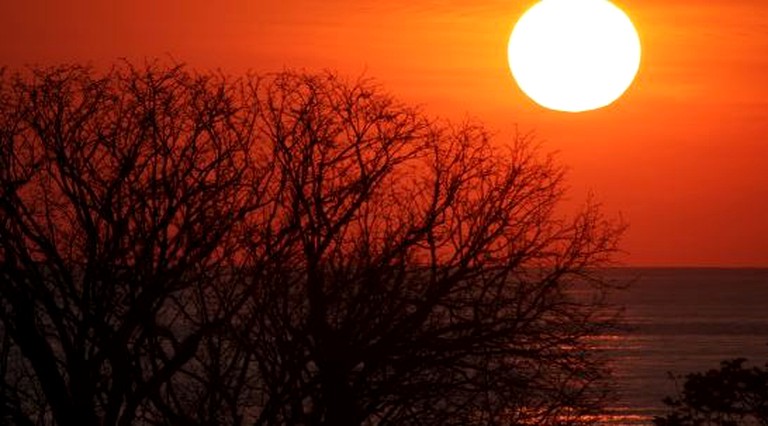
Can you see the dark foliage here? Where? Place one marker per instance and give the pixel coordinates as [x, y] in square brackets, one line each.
[731, 395]
[182, 248]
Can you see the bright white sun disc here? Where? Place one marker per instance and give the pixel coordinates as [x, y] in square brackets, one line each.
[574, 55]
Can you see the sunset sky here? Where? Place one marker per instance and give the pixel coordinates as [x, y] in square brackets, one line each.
[682, 156]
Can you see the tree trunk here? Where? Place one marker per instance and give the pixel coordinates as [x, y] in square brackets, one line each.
[339, 400]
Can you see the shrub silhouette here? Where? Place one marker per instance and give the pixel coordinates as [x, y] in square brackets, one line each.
[189, 248]
[730, 395]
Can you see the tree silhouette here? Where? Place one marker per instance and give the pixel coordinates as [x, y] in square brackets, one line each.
[730, 395]
[292, 248]
[420, 274]
[119, 196]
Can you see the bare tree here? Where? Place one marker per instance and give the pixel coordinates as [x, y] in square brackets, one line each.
[119, 198]
[417, 274]
[286, 249]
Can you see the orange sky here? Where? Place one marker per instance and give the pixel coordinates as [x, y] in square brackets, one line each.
[683, 156]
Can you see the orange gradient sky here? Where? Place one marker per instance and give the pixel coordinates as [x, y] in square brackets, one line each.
[682, 156]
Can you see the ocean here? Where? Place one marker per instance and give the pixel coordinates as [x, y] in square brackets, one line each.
[682, 320]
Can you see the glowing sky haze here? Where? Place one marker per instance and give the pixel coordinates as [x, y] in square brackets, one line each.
[682, 155]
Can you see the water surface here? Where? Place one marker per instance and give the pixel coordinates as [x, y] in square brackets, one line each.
[680, 321]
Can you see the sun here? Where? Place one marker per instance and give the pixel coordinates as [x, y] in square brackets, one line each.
[574, 55]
